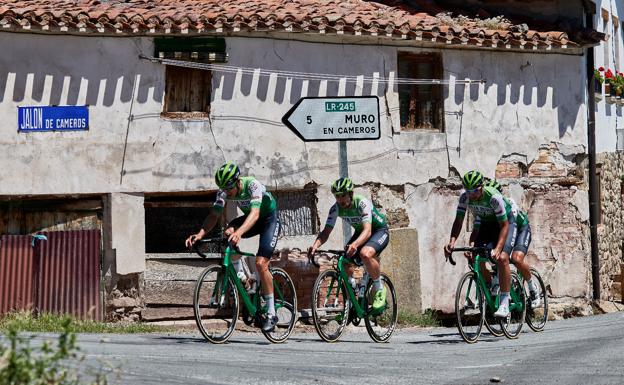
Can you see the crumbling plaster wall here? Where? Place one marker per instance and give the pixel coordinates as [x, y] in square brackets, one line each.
[527, 100]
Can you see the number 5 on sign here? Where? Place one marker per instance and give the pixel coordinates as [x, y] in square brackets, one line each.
[309, 119]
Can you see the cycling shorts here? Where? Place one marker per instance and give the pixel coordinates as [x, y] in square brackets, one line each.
[488, 235]
[378, 240]
[268, 228]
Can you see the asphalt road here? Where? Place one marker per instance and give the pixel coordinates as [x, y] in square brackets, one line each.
[584, 351]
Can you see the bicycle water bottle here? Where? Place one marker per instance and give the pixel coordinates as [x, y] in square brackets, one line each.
[362, 286]
[353, 283]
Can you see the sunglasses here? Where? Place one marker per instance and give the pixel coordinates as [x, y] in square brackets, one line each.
[340, 195]
[472, 191]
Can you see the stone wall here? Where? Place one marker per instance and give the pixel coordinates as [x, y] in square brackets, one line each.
[611, 228]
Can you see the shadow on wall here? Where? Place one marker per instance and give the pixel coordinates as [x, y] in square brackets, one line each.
[101, 71]
[525, 80]
[91, 71]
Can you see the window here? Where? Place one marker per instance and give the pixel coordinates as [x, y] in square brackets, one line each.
[169, 220]
[188, 90]
[421, 106]
[297, 212]
[605, 44]
[616, 43]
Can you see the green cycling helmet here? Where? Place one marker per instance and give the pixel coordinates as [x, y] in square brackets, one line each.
[227, 175]
[341, 186]
[472, 180]
[494, 183]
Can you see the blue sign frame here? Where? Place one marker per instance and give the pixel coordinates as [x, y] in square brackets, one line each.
[52, 118]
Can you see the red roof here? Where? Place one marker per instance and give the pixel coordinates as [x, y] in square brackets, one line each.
[387, 19]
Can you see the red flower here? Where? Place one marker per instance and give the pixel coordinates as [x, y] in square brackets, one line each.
[600, 69]
[609, 74]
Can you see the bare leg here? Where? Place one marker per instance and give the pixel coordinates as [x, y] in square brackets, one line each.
[367, 254]
[504, 272]
[262, 267]
[523, 267]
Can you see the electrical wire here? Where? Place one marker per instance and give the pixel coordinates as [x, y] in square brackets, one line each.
[305, 75]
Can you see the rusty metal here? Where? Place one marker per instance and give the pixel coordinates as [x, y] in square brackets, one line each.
[60, 275]
[16, 273]
[69, 274]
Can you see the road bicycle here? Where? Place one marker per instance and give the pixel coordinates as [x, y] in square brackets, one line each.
[219, 292]
[335, 303]
[475, 304]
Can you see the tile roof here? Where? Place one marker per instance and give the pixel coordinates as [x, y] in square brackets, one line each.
[390, 19]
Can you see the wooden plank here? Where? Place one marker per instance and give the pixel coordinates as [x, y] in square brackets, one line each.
[169, 292]
[174, 270]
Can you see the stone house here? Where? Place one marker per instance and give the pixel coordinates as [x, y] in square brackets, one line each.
[174, 88]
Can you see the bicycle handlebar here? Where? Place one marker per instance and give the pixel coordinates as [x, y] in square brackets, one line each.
[484, 250]
[220, 241]
[336, 253]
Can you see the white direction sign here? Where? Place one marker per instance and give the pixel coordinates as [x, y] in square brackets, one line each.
[337, 118]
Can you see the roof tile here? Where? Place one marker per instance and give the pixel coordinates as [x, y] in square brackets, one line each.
[384, 17]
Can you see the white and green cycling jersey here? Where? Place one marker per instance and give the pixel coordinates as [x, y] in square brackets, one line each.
[491, 207]
[522, 218]
[252, 195]
[361, 211]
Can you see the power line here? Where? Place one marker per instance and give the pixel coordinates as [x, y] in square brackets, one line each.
[306, 75]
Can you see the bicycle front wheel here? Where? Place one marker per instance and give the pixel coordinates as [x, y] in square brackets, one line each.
[537, 303]
[330, 306]
[380, 324]
[215, 302]
[469, 308]
[512, 325]
[285, 299]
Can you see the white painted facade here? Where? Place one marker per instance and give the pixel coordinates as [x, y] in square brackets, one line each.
[609, 55]
[528, 99]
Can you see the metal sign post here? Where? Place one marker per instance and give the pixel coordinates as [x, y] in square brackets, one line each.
[339, 119]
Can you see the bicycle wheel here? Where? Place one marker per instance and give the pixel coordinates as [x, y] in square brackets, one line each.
[381, 324]
[330, 306]
[469, 308]
[215, 303]
[536, 317]
[512, 325]
[493, 324]
[285, 299]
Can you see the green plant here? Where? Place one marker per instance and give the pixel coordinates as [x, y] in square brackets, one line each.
[53, 323]
[48, 364]
[598, 75]
[410, 318]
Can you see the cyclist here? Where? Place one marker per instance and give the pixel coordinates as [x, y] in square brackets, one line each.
[370, 238]
[497, 226]
[523, 240]
[259, 218]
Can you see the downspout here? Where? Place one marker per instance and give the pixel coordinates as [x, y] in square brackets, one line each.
[594, 200]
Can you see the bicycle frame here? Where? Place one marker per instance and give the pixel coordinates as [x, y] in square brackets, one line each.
[492, 301]
[250, 302]
[343, 281]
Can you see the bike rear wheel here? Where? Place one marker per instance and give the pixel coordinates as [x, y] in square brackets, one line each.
[215, 304]
[493, 325]
[537, 317]
[469, 308]
[285, 299]
[512, 325]
[330, 306]
[381, 324]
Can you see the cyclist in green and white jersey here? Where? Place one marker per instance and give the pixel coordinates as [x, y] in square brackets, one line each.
[497, 226]
[371, 233]
[523, 240]
[259, 218]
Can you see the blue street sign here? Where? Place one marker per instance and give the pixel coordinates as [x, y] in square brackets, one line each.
[46, 118]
